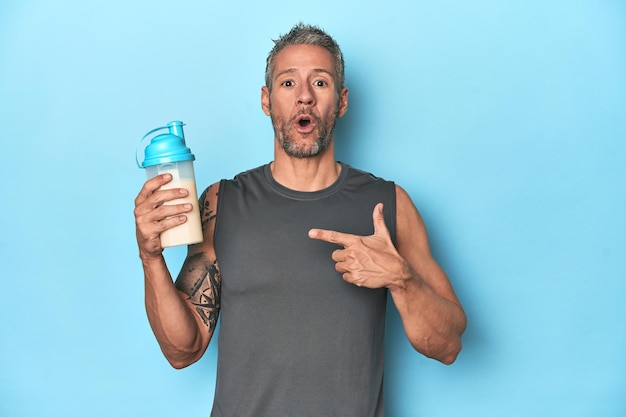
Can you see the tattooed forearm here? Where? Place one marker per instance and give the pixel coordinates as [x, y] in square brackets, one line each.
[201, 281]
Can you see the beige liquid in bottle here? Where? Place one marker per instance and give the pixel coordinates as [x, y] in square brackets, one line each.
[191, 231]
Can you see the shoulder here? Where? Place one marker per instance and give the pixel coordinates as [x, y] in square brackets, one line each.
[403, 199]
[208, 201]
[253, 174]
[411, 230]
[404, 204]
[362, 180]
[353, 173]
[208, 204]
[210, 196]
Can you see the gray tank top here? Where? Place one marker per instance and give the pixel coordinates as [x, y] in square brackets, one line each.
[295, 340]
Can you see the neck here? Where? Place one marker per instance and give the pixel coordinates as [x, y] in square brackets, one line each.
[305, 174]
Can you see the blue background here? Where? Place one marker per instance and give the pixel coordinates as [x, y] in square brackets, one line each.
[505, 121]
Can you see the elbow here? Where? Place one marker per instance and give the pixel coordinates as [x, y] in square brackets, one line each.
[179, 359]
[446, 353]
[454, 345]
[180, 363]
[452, 350]
[181, 356]
[450, 357]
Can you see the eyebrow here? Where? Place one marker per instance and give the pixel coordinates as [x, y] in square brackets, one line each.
[293, 70]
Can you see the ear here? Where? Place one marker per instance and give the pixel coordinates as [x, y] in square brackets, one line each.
[343, 102]
[265, 100]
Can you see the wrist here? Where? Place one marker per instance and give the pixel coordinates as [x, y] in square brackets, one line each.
[403, 278]
[148, 259]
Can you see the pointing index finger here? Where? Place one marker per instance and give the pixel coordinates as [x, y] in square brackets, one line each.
[331, 236]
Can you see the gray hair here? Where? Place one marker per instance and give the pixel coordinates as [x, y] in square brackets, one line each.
[302, 34]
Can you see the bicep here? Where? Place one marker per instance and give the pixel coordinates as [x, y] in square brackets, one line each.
[412, 244]
[201, 262]
[199, 278]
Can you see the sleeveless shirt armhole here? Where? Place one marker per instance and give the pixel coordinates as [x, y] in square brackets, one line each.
[394, 214]
[218, 210]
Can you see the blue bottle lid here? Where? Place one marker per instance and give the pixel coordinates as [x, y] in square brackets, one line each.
[167, 147]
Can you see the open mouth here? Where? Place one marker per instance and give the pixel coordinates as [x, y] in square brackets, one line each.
[305, 123]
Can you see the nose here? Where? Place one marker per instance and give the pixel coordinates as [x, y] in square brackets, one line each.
[305, 95]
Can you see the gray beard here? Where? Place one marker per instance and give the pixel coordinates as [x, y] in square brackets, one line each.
[287, 143]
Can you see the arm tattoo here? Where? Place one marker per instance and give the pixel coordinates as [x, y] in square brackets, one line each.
[207, 215]
[201, 281]
[200, 276]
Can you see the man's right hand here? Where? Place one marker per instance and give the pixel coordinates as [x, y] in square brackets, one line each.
[153, 216]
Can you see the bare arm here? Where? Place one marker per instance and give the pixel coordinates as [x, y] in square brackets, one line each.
[182, 316]
[432, 316]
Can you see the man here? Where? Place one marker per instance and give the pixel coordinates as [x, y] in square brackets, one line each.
[298, 257]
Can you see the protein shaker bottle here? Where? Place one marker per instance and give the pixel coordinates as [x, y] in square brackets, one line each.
[168, 153]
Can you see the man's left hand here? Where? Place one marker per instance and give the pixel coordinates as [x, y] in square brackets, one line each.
[367, 261]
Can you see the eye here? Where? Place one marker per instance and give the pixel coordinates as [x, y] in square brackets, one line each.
[287, 83]
[320, 83]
